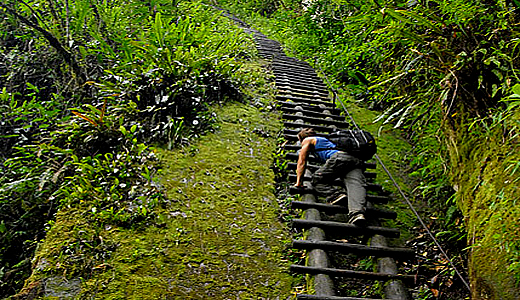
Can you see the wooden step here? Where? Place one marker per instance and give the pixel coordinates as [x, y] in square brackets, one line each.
[295, 132]
[294, 69]
[352, 274]
[294, 157]
[371, 212]
[370, 186]
[358, 249]
[303, 88]
[313, 114]
[318, 128]
[282, 78]
[376, 199]
[296, 76]
[291, 62]
[315, 83]
[327, 103]
[270, 48]
[292, 166]
[300, 76]
[346, 228]
[310, 107]
[306, 94]
[313, 120]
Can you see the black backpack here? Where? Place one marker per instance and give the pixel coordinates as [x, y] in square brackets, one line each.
[359, 143]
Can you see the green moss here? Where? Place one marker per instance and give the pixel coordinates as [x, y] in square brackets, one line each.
[219, 236]
[488, 195]
[225, 190]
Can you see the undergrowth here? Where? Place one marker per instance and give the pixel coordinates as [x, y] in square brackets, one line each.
[218, 234]
[86, 90]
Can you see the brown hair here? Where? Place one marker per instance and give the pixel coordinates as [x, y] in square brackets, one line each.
[306, 132]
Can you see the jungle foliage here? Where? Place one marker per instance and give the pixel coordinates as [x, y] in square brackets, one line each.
[86, 88]
[446, 74]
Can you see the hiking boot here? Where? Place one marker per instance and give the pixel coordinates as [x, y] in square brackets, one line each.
[338, 199]
[358, 220]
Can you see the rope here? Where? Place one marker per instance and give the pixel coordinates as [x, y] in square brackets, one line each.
[336, 98]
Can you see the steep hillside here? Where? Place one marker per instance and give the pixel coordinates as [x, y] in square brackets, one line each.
[88, 89]
[91, 89]
[445, 73]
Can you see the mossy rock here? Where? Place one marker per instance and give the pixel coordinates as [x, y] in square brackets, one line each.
[488, 196]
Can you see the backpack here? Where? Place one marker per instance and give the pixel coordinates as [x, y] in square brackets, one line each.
[358, 143]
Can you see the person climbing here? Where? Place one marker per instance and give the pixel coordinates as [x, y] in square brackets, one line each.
[337, 164]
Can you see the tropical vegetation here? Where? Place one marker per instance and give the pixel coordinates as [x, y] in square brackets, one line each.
[87, 89]
[90, 88]
[446, 74]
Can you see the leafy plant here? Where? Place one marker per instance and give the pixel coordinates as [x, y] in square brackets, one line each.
[145, 74]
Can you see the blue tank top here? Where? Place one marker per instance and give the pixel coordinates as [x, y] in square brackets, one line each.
[323, 143]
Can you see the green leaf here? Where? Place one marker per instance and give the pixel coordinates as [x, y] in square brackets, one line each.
[436, 50]
[516, 89]
[420, 20]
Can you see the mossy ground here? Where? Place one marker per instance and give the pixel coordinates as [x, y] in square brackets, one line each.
[219, 237]
[225, 194]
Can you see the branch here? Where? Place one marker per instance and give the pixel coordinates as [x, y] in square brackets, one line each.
[67, 56]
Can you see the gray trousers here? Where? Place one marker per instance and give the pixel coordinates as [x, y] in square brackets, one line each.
[348, 168]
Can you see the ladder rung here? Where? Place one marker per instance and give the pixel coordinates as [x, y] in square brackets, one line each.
[351, 273]
[347, 228]
[403, 253]
[294, 156]
[292, 166]
[338, 209]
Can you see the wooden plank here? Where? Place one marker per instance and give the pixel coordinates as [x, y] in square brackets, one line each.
[292, 166]
[307, 125]
[370, 186]
[289, 64]
[315, 83]
[371, 212]
[303, 72]
[376, 199]
[351, 273]
[347, 228]
[307, 100]
[294, 157]
[301, 88]
[309, 107]
[313, 114]
[364, 250]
